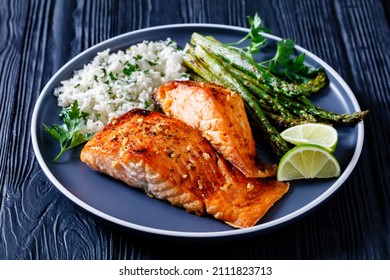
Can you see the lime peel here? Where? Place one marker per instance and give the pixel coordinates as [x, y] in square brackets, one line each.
[312, 133]
[308, 161]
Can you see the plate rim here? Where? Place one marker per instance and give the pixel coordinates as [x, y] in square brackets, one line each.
[260, 228]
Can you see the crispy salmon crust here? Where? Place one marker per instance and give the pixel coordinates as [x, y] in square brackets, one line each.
[219, 114]
[171, 161]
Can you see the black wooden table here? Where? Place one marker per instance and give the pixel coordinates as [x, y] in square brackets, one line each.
[38, 37]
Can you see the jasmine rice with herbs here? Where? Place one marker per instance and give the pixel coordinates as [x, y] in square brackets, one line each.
[112, 84]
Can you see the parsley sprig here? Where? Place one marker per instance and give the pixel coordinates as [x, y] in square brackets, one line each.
[69, 134]
[285, 62]
[257, 40]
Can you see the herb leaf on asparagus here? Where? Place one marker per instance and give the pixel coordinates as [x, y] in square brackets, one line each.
[282, 64]
[255, 36]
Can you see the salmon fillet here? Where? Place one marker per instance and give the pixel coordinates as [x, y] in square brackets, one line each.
[219, 114]
[171, 161]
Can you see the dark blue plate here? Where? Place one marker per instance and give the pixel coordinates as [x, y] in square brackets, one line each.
[117, 203]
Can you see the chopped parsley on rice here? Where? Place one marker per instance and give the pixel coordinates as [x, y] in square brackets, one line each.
[112, 84]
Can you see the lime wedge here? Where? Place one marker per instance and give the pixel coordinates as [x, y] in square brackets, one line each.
[312, 133]
[307, 161]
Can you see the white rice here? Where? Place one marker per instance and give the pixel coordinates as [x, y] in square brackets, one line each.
[112, 84]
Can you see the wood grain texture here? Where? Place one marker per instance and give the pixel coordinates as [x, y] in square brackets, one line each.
[38, 37]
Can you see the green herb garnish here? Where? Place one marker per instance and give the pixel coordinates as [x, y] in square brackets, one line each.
[285, 63]
[130, 68]
[257, 40]
[293, 67]
[69, 134]
[152, 63]
[112, 76]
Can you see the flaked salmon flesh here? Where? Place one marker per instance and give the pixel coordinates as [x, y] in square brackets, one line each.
[219, 114]
[171, 161]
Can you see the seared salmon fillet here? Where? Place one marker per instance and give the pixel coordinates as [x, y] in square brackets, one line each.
[171, 161]
[219, 114]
